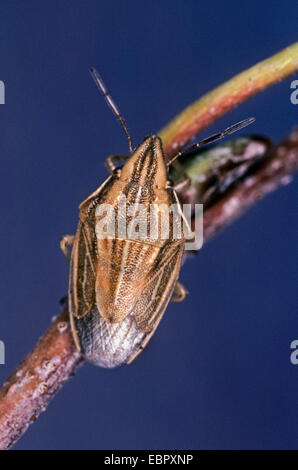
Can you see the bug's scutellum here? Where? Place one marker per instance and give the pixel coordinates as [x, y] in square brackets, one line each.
[119, 287]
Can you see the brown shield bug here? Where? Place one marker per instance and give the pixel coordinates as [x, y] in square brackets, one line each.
[120, 284]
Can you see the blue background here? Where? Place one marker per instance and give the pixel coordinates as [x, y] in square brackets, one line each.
[217, 374]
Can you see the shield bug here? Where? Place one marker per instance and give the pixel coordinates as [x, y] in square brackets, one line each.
[122, 279]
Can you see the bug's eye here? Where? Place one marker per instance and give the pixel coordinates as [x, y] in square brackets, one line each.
[117, 171]
[170, 183]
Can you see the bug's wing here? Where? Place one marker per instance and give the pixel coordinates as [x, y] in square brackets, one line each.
[122, 270]
[159, 287]
[82, 272]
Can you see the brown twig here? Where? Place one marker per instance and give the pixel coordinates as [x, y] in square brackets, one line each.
[54, 360]
[275, 170]
[29, 389]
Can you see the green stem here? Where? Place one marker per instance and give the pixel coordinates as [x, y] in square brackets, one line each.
[222, 99]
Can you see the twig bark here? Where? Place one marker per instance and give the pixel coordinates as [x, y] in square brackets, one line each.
[28, 391]
[277, 169]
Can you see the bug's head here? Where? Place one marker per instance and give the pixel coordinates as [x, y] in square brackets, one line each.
[146, 165]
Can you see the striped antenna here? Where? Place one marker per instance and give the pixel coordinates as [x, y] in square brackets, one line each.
[214, 137]
[101, 86]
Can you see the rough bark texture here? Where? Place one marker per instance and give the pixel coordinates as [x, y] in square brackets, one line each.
[267, 176]
[29, 389]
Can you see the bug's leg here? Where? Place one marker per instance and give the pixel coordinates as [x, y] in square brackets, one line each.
[110, 162]
[182, 185]
[188, 232]
[180, 292]
[182, 180]
[66, 241]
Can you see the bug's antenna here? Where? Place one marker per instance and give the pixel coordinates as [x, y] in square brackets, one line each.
[212, 138]
[101, 86]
